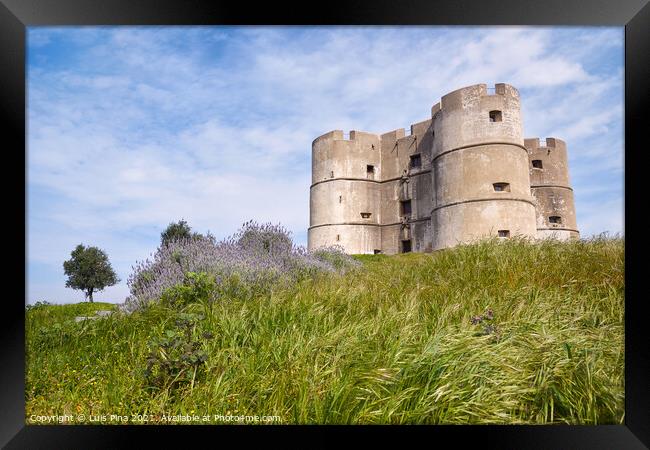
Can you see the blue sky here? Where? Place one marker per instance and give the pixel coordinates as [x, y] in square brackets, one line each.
[131, 128]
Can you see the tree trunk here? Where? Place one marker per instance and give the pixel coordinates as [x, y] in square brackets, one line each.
[90, 295]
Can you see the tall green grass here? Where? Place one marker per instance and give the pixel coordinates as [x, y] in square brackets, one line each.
[391, 342]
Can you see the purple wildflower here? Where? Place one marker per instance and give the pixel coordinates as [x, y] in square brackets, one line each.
[253, 260]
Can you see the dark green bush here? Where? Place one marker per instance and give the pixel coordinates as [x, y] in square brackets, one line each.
[178, 356]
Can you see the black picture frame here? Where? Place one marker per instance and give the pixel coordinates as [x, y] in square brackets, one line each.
[634, 15]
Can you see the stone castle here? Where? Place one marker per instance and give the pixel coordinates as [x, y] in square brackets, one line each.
[464, 174]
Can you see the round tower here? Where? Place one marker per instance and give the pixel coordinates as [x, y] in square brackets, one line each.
[345, 192]
[549, 184]
[480, 164]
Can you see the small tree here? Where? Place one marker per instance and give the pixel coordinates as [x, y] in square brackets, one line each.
[89, 270]
[177, 230]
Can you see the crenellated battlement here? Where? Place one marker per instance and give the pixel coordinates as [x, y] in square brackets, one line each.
[549, 142]
[505, 89]
[470, 95]
[330, 135]
[394, 134]
[340, 135]
[435, 109]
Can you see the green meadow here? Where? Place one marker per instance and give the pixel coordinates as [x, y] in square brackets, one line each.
[489, 333]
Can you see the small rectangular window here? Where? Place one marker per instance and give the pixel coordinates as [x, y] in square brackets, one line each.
[376, 251]
[338, 237]
[370, 171]
[406, 207]
[537, 164]
[555, 219]
[504, 233]
[501, 187]
[495, 116]
[416, 161]
[406, 246]
[365, 215]
[340, 198]
[332, 174]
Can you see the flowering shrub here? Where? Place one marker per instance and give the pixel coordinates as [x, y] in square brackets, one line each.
[263, 240]
[251, 262]
[334, 255]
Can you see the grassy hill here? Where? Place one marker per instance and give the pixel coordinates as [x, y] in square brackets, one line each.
[495, 332]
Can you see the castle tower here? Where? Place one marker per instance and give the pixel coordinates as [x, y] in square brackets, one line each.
[480, 167]
[345, 192]
[549, 183]
[406, 189]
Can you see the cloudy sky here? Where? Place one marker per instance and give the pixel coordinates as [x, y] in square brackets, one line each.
[131, 128]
